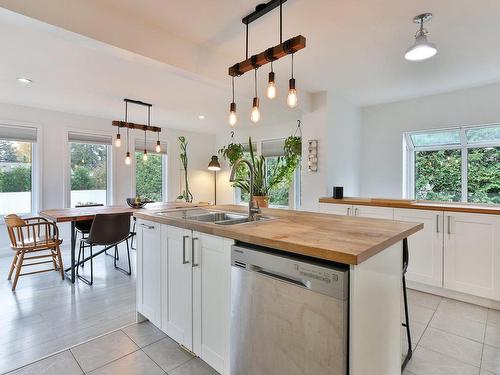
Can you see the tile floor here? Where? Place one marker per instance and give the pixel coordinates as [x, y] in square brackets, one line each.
[46, 314]
[452, 337]
[138, 349]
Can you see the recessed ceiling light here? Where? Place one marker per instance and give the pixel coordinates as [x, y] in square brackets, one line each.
[24, 80]
[201, 117]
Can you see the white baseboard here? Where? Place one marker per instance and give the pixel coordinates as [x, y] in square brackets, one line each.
[485, 302]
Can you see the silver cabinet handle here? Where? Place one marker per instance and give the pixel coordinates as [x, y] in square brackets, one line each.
[437, 223]
[184, 261]
[192, 252]
[147, 226]
[356, 211]
[348, 211]
[449, 224]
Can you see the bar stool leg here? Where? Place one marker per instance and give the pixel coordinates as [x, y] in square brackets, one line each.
[406, 324]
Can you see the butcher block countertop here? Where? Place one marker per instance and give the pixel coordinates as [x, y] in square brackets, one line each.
[343, 239]
[492, 209]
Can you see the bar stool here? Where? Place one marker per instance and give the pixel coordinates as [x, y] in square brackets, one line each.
[406, 324]
[108, 230]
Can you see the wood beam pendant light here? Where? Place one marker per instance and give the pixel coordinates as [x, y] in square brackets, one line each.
[131, 125]
[288, 47]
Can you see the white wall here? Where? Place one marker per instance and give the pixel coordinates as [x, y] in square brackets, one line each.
[54, 163]
[383, 127]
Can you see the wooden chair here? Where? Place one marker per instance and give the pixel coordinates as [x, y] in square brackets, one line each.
[33, 235]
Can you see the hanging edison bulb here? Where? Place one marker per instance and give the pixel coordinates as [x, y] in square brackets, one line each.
[118, 141]
[292, 99]
[158, 147]
[127, 158]
[232, 108]
[145, 155]
[271, 86]
[255, 115]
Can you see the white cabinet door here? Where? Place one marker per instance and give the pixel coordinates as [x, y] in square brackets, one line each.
[212, 299]
[177, 322]
[425, 247]
[149, 271]
[373, 212]
[472, 254]
[336, 209]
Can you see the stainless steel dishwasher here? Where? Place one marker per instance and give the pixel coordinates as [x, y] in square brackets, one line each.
[288, 315]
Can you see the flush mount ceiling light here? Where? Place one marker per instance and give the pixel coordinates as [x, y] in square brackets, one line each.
[422, 49]
[131, 125]
[201, 117]
[288, 47]
[24, 80]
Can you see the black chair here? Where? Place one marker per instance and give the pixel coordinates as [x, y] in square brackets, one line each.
[108, 230]
[83, 228]
[406, 324]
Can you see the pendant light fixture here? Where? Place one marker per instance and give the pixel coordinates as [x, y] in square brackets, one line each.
[271, 86]
[255, 115]
[292, 99]
[422, 49]
[271, 54]
[144, 128]
[232, 108]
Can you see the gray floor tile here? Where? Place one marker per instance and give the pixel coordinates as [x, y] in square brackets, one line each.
[62, 363]
[450, 307]
[98, 352]
[430, 301]
[416, 331]
[144, 334]
[193, 367]
[494, 317]
[491, 359]
[458, 325]
[492, 336]
[167, 354]
[484, 372]
[460, 348]
[420, 314]
[429, 362]
[136, 363]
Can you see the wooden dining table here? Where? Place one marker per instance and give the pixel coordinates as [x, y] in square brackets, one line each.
[72, 215]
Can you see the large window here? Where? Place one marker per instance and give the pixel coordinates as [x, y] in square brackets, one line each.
[90, 165]
[285, 195]
[458, 165]
[150, 174]
[16, 169]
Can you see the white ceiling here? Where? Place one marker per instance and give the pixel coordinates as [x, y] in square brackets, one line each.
[355, 49]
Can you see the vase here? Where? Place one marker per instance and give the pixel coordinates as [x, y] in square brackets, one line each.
[262, 201]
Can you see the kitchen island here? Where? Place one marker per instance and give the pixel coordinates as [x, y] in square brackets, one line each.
[184, 277]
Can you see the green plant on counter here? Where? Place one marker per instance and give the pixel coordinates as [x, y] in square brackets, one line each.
[186, 194]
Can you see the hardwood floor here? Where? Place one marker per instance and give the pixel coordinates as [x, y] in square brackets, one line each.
[46, 314]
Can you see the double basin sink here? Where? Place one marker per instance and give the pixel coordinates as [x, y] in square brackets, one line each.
[212, 216]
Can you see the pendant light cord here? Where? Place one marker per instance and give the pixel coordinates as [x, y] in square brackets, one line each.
[232, 84]
[256, 82]
[292, 64]
[126, 121]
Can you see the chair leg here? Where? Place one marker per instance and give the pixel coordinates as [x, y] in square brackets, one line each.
[18, 270]
[133, 236]
[129, 272]
[60, 263]
[13, 265]
[91, 258]
[407, 326]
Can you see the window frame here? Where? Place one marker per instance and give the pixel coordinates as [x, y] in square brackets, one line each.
[464, 146]
[36, 163]
[109, 163]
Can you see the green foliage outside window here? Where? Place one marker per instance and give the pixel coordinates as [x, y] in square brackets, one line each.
[483, 175]
[15, 166]
[438, 175]
[88, 166]
[149, 177]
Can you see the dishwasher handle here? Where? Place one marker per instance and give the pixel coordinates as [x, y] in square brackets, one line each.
[281, 277]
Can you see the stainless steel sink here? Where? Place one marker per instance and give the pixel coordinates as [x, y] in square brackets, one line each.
[212, 216]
